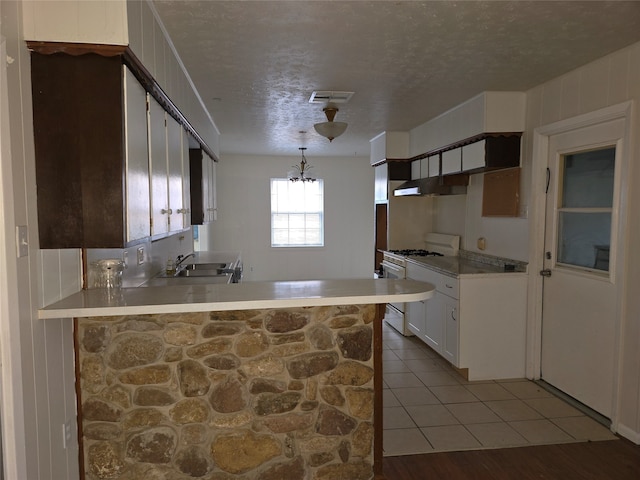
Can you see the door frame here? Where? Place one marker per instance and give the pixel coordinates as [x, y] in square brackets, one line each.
[539, 164]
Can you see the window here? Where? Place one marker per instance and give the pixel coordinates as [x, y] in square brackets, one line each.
[297, 213]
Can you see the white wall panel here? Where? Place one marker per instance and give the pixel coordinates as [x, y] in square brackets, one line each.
[594, 86]
[44, 372]
[570, 96]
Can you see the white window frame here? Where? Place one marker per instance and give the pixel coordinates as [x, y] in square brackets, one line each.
[292, 205]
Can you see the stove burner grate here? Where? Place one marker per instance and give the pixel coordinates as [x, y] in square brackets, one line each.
[416, 253]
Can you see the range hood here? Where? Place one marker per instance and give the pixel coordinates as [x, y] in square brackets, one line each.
[445, 185]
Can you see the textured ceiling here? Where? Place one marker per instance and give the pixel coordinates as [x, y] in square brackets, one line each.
[256, 63]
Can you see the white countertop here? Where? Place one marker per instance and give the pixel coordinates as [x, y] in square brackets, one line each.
[238, 296]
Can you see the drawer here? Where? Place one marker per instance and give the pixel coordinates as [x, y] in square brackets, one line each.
[422, 274]
[448, 285]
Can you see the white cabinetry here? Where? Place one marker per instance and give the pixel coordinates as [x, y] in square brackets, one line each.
[157, 135]
[186, 180]
[166, 159]
[137, 159]
[389, 146]
[473, 155]
[476, 322]
[452, 161]
[175, 172]
[488, 112]
[211, 200]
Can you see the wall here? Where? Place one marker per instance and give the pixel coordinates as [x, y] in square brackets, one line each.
[38, 380]
[244, 218]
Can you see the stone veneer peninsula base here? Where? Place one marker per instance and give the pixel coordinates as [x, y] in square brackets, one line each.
[268, 394]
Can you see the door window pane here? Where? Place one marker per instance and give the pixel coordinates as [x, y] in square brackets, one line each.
[585, 210]
[588, 179]
[584, 239]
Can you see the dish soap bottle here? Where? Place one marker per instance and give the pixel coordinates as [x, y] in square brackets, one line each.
[171, 267]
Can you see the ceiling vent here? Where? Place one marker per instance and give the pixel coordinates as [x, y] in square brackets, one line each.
[330, 96]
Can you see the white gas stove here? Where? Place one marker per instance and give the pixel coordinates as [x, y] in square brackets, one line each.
[394, 263]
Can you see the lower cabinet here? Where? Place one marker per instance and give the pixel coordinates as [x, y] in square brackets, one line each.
[414, 313]
[476, 322]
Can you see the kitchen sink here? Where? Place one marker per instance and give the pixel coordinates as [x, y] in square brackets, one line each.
[202, 273]
[205, 266]
[203, 270]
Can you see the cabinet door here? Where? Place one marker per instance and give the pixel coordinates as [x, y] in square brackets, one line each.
[415, 170]
[206, 175]
[138, 214]
[473, 155]
[186, 181]
[415, 317]
[174, 166]
[209, 193]
[434, 166]
[213, 193]
[452, 161]
[380, 183]
[450, 345]
[434, 322]
[158, 167]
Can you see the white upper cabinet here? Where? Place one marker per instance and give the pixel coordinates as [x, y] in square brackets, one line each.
[137, 159]
[452, 161]
[489, 112]
[389, 146]
[174, 167]
[473, 155]
[186, 181]
[158, 167]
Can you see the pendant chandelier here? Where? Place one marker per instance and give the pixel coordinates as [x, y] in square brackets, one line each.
[301, 172]
[330, 129]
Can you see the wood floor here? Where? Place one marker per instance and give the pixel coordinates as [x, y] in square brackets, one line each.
[602, 460]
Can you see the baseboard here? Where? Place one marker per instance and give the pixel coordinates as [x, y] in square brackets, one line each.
[628, 433]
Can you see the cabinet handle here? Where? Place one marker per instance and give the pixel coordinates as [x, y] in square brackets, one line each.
[453, 317]
[166, 211]
[448, 286]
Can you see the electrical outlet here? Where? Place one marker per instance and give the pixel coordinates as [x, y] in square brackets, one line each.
[22, 241]
[140, 255]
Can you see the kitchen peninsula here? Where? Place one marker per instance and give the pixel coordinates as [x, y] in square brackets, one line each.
[252, 380]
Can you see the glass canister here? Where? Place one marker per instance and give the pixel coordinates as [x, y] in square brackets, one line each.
[108, 273]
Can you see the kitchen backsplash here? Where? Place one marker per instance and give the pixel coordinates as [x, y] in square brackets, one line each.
[154, 257]
[507, 264]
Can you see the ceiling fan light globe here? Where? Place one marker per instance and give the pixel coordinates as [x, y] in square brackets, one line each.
[330, 130]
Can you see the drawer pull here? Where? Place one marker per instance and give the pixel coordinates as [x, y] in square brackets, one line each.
[448, 286]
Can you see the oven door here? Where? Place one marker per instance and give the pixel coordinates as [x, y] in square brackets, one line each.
[397, 272]
[391, 270]
[395, 318]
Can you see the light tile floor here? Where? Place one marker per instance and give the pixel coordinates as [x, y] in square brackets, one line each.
[429, 407]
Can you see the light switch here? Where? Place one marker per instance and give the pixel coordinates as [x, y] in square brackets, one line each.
[140, 255]
[22, 241]
[482, 243]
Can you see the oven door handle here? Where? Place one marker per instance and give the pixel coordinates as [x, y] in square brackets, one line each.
[393, 267]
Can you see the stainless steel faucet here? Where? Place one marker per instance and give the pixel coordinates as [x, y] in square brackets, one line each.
[182, 258]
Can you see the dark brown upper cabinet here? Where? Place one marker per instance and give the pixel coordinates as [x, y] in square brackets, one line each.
[79, 117]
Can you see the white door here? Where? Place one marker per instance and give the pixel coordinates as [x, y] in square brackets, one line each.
[579, 311]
